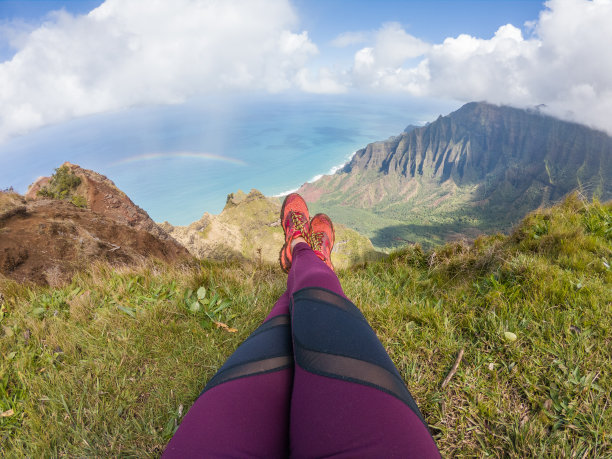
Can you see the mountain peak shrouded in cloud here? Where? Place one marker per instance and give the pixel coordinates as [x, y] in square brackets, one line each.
[477, 170]
[563, 62]
[132, 53]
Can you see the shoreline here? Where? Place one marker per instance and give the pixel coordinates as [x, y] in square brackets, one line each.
[331, 171]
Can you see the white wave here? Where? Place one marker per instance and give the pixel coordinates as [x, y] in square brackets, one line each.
[285, 193]
[335, 169]
[332, 171]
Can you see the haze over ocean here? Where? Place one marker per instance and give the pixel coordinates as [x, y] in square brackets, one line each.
[178, 162]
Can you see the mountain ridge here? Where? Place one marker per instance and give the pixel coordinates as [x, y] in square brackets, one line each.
[478, 169]
[475, 122]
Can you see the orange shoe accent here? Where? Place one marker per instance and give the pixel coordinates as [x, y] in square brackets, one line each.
[322, 238]
[295, 221]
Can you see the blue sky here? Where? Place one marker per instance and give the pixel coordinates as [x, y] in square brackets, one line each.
[431, 20]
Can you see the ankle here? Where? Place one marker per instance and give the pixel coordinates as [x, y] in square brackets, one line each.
[297, 240]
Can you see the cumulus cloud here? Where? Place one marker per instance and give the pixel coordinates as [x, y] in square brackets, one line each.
[132, 52]
[565, 63]
[350, 38]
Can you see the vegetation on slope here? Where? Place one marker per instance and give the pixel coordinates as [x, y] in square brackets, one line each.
[108, 365]
[429, 217]
[9, 201]
[249, 229]
[63, 185]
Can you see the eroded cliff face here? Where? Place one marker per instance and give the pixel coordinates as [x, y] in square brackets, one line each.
[249, 228]
[479, 169]
[503, 146]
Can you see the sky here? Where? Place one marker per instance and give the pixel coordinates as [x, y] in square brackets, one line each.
[64, 62]
[67, 59]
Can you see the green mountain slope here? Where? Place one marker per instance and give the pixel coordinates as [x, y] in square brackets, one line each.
[248, 228]
[109, 365]
[479, 169]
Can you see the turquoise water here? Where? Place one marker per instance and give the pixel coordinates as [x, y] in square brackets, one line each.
[178, 162]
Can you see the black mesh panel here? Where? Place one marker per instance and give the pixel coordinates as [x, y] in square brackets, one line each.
[332, 338]
[267, 349]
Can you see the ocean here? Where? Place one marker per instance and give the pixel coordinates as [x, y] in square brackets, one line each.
[180, 161]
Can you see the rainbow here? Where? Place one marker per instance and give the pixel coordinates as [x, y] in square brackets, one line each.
[179, 155]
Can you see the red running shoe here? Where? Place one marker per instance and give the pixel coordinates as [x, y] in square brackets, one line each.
[295, 222]
[322, 238]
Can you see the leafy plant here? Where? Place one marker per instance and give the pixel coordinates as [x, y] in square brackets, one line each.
[209, 306]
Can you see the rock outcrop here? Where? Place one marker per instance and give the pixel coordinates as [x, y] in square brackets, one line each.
[103, 197]
[45, 240]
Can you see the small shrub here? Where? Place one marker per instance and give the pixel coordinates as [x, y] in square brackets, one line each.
[79, 201]
[211, 310]
[62, 185]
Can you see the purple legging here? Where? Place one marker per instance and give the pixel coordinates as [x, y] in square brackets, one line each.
[294, 411]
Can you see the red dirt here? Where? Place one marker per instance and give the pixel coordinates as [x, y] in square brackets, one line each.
[103, 197]
[46, 241]
[310, 193]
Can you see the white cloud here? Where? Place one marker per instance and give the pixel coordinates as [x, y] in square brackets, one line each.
[468, 68]
[381, 66]
[393, 46]
[350, 38]
[565, 63]
[134, 52]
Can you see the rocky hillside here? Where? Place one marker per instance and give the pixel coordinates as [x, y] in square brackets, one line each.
[99, 194]
[479, 169]
[249, 228]
[83, 218]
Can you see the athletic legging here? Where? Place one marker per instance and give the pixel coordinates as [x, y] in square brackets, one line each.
[312, 381]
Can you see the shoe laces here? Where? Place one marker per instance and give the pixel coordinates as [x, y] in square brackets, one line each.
[317, 241]
[298, 221]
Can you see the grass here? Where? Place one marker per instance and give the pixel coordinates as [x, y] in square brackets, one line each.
[107, 365]
[10, 200]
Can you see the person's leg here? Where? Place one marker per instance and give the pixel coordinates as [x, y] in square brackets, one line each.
[309, 271]
[348, 398]
[244, 409]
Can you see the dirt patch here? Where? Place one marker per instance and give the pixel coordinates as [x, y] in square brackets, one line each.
[103, 197]
[47, 241]
[310, 192]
